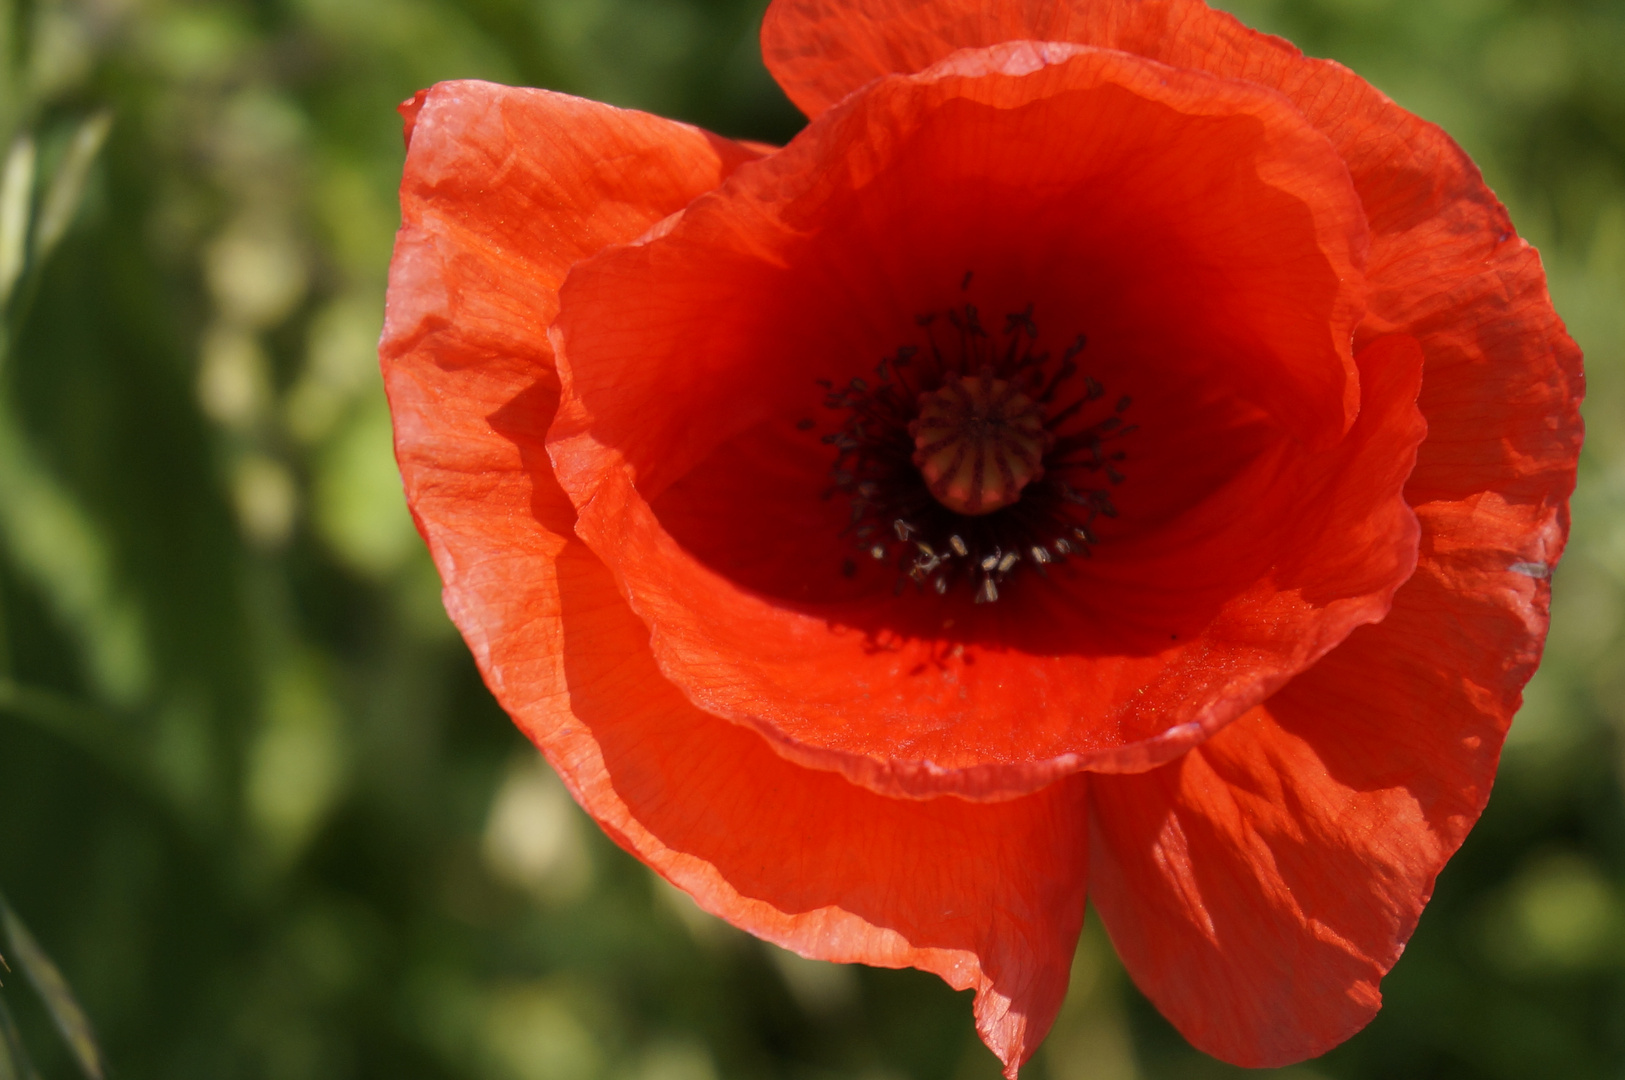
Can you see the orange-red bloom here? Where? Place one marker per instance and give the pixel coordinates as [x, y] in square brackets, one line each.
[1105, 451]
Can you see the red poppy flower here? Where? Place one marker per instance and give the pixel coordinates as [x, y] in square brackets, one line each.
[1105, 451]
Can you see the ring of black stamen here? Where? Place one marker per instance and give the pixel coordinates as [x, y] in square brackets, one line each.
[896, 520]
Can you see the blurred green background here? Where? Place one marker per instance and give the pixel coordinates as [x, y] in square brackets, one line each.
[253, 798]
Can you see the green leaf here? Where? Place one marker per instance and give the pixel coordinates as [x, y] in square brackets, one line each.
[16, 185]
[109, 737]
[58, 547]
[67, 188]
[53, 989]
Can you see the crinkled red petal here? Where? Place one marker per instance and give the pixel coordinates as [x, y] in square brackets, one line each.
[1252, 538]
[1403, 723]
[503, 190]
[1259, 888]
[987, 895]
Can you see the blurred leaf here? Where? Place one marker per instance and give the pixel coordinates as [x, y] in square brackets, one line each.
[70, 1019]
[53, 543]
[68, 185]
[109, 738]
[297, 765]
[14, 1063]
[16, 185]
[359, 509]
[49, 538]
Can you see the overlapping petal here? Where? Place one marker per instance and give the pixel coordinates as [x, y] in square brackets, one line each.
[1259, 888]
[504, 189]
[692, 358]
[1446, 266]
[988, 897]
[1500, 394]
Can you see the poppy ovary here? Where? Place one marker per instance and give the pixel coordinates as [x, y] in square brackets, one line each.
[978, 441]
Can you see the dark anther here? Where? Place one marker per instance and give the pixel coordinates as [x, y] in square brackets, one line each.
[1022, 320]
[1063, 373]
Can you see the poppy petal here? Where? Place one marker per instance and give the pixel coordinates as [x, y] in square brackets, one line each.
[1446, 265]
[819, 51]
[503, 190]
[988, 896]
[715, 327]
[1503, 379]
[1259, 888]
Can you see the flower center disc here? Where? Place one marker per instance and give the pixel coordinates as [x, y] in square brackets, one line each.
[977, 442]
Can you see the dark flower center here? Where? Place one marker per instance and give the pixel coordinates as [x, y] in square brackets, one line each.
[974, 457]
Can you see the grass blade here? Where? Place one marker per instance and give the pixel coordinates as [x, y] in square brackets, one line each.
[53, 989]
[16, 188]
[67, 188]
[14, 1063]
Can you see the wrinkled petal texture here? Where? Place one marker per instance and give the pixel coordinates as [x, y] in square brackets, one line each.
[1220, 295]
[503, 190]
[1260, 887]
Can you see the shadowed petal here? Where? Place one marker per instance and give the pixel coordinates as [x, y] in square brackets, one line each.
[987, 895]
[1259, 888]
